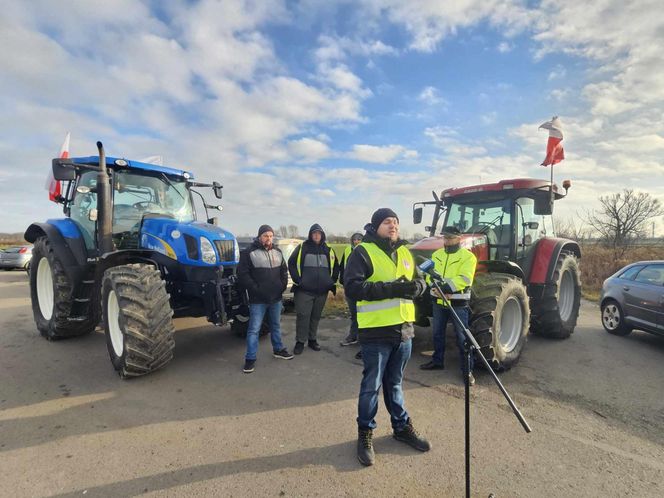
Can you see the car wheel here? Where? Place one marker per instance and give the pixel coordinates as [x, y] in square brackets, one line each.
[613, 319]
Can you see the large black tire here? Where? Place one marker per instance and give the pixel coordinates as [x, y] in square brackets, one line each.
[137, 319]
[52, 299]
[500, 318]
[240, 324]
[613, 318]
[555, 313]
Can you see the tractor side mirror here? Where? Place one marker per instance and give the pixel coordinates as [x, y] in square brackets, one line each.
[216, 188]
[417, 215]
[543, 205]
[64, 170]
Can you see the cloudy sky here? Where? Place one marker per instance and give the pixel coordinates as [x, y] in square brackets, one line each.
[322, 111]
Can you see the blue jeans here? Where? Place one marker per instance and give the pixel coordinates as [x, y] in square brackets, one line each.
[256, 314]
[384, 364]
[441, 315]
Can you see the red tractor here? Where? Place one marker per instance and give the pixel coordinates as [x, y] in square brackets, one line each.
[527, 280]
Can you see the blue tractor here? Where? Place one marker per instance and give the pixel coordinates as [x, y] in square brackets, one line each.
[131, 252]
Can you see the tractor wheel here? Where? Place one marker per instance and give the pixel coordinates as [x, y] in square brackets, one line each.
[137, 319]
[51, 295]
[240, 325]
[613, 318]
[500, 317]
[555, 313]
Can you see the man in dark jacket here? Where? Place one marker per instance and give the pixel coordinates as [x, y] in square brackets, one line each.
[351, 337]
[314, 269]
[380, 275]
[263, 274]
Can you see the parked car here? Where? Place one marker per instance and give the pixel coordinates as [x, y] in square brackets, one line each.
[287, 247]
[16, 258]
[633, 298]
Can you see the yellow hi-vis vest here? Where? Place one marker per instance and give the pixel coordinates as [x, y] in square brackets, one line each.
[387, 312]
[333, 258]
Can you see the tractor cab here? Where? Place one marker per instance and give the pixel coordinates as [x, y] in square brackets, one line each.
[500, 222]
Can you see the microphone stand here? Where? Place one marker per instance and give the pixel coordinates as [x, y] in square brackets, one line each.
[471, 346]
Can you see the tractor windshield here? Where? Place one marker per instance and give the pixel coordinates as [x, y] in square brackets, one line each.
[473, 217]
[492, 218]
[135, 195]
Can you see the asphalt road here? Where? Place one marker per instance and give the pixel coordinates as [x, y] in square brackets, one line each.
[200, 427]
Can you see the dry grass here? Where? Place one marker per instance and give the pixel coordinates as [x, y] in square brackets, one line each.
[599, 262]
[336, 305]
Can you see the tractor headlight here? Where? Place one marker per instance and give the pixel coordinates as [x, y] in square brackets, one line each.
[207, 251]
[236, 250]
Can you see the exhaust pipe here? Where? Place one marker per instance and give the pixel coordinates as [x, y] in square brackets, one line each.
[104, 206]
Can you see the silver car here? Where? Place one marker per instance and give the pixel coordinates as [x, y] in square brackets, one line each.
[18, 257]
[633, 298]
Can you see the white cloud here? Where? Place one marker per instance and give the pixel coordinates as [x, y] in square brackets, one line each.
[381, 154]
[308, 150]
[504, 47]
[431, 96]
[557, 73]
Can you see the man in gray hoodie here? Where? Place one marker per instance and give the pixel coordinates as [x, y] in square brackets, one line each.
[314, 268]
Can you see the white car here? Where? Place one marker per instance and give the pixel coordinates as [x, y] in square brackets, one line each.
[16, 258]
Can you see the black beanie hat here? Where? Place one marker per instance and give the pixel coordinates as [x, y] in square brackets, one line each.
[380, 214]
[264, 228]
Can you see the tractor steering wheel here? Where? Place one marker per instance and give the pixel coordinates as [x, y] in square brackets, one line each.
[145, 205]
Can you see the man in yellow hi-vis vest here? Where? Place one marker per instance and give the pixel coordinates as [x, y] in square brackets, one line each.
[380, 275]
[456, 265]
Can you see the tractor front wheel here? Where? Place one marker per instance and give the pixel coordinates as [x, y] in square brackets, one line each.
[51, 296]
[500, 317]
[137, 319]
[555, 313]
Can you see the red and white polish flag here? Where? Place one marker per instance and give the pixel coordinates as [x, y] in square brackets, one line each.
[554, 147]
[53, 186]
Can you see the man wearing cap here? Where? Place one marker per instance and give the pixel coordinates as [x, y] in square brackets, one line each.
[380, 276]
[263, 274]
[456, 265]
[314, 269]
[351, 337]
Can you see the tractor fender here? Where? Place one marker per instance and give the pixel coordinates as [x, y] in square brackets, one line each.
[498, 266]
[67, 244]
[129, 256]
[546, 256]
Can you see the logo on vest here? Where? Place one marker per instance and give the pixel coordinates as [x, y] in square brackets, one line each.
[406, 264]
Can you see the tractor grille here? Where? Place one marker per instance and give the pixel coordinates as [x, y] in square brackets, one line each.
[226, 249]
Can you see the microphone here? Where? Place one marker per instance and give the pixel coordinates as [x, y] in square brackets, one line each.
[427, 266]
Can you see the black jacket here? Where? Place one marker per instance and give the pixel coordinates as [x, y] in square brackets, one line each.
[356, 272]
[262, 273]
[316, 261]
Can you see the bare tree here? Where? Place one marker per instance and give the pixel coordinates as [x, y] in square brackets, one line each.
[283, 231]
[567, 228]
[623, 217]
[293, 231]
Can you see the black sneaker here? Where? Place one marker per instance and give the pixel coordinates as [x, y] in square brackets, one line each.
[365, 451]
[283, 354]
[410, 436]
[431, 366]
[249, 366]
[299, 347]
[349, 340]
[314, 345]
